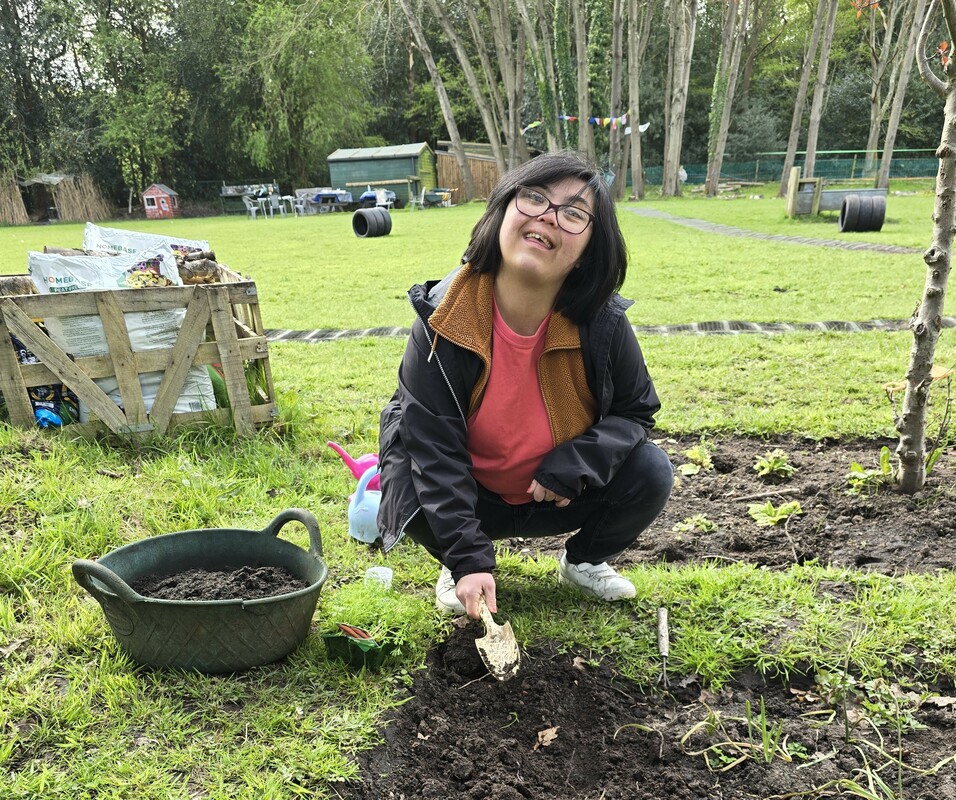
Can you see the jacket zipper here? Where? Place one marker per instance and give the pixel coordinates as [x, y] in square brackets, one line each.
[432, 345]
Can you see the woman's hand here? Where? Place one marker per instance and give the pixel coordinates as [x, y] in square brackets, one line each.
[473, 586]
[543, 495]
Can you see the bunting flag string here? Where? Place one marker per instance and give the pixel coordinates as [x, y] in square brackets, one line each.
[614, 122]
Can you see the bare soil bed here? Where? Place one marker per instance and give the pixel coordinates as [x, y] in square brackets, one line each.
[565, 728]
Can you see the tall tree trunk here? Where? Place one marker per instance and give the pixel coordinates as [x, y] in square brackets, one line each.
[927, 321]
[725, 85]
[684, 28]
[761, 12]
[617, 129]
[511, 65]
[796, 122]
[884, 49]
[510, 72]
[458, 149]
[819, 89]
[481, 100]
[585, 134]
[546, 29]
[478, 36]
[906, 59]
[638, 30]
[540, 45]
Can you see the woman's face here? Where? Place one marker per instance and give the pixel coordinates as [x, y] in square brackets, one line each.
[537, 248]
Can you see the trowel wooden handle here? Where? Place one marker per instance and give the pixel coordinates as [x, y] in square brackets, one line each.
[485, 614]
[663, 635]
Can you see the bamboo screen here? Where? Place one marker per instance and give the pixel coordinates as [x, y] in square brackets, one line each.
[12, 210]
[79, 200]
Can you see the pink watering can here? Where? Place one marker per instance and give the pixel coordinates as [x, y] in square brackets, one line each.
[360, 465]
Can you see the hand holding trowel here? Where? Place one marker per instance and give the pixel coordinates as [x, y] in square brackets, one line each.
[498, 647]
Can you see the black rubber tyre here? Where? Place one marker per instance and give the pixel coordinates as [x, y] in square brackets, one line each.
[386, 220]
[860, 213]
[367, 223]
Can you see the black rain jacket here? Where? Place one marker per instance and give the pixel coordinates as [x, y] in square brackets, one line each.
[423, 455]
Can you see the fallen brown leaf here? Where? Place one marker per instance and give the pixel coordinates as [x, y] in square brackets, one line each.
[546, 736]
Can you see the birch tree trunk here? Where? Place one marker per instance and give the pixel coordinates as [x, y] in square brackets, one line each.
[478, 37]
[926, 323]
[457, 147]
[907, 57]
[796, 122]
[511, 66]
[585, 134]
[882, 54]
[482, 102]
[819, 89]
[639, 18]
[546, 29]
[617, 129]
[725, 86]
[539, 41]
[684, 22]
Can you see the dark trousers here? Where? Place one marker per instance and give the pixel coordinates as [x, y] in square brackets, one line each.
[608, 520]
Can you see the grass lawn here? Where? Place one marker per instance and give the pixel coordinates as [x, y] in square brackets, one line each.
[79, 720]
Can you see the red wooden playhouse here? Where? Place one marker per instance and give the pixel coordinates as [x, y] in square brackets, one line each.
[161, 202]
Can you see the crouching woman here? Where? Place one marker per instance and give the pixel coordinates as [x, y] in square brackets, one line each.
[524, 402]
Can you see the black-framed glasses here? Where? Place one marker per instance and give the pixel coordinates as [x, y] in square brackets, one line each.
[570, 219]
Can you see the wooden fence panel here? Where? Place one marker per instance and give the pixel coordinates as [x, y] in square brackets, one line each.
[484, 171]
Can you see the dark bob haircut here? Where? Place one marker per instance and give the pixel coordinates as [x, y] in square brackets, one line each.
[603, 265]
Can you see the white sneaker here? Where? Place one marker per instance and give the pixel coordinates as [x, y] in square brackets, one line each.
[596, 580]
[445, 598]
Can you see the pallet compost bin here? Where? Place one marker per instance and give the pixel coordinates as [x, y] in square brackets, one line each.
[222, 326]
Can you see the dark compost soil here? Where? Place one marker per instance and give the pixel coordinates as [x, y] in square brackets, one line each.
[243, 583]
[567, 727]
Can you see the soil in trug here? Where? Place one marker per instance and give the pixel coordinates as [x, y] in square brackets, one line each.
[243, 583]
[570, 727]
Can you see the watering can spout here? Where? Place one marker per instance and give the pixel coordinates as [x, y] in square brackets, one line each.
[358, 466]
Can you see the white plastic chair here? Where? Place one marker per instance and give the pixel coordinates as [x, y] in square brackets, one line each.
[251, 206]
[275, 204]
[384, 198]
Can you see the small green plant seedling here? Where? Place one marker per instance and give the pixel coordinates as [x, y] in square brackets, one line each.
[870, 481]
[698, 523]
[698, 460]
[765, 740]
[764, 735]
[774, 464]
[770, 515]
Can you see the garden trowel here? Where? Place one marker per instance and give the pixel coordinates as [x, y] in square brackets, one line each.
[498, 647]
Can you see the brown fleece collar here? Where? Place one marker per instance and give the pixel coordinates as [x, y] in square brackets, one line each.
[465, 316]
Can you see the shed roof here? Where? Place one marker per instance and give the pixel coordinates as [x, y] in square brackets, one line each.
[367, 153]
[163, 188]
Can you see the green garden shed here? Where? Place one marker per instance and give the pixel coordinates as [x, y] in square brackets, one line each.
[406, 169]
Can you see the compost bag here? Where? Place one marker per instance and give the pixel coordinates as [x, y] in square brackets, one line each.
[114, 240]
[83, 335]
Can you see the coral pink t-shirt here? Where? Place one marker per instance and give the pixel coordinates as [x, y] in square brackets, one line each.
[510, 432]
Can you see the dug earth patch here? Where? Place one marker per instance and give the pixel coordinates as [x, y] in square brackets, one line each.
[569, 726]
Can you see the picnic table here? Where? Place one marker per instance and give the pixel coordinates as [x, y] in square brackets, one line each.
[328, 199]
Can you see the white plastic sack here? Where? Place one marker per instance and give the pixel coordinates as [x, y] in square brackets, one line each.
[148, 330]
[114, 240]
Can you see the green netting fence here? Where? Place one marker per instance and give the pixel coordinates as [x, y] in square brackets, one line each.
[766, 170]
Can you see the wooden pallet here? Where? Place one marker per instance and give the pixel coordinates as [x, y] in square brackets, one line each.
[222, 326]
